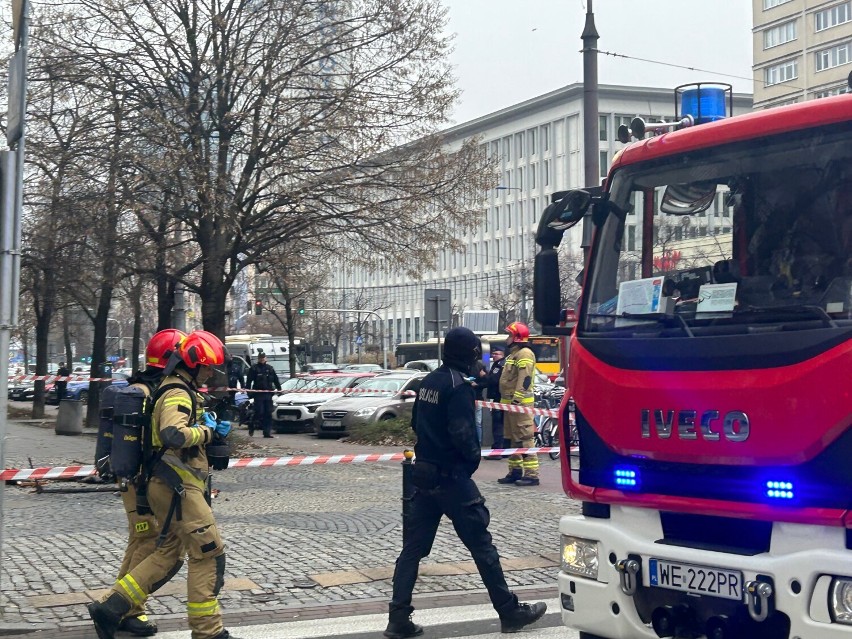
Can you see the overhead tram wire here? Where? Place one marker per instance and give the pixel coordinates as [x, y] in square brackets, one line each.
[688, 68]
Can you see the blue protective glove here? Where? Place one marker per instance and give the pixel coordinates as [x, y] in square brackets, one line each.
[222, 428]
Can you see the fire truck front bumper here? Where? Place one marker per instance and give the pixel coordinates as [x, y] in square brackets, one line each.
[623, 578]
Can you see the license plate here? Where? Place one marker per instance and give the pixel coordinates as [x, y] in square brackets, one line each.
[332, 423]
[699, 580]
[288, 418]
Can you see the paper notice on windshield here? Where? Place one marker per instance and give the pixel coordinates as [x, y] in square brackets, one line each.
[717, 298]
[640, 296]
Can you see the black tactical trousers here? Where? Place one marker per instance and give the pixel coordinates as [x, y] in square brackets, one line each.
[497, 429]
[460, 500]
[263, 412]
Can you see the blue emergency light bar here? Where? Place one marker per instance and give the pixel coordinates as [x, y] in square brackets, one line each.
[705, 102]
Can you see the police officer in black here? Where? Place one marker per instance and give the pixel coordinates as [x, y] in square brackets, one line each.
[447, 454]
[491, 382]
[262, 377]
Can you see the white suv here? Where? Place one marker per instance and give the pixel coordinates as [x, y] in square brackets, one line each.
[294, 409]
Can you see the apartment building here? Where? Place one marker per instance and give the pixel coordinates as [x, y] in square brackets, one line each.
[802, 50]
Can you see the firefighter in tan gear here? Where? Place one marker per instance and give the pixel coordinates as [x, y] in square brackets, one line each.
[176, 493]
[517, 386]
[143, 528]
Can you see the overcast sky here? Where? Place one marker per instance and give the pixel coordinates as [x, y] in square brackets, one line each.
[507, 51]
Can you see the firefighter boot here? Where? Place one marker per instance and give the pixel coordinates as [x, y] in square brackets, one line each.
[528, 481]
[139, 625]
[107, 615]
[522, 616]
[514, 475]
[225, 635]
[400, 625]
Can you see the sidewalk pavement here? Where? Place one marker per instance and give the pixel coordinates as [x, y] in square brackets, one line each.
[303, 542]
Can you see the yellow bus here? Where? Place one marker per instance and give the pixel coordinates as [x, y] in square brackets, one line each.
[546, 350]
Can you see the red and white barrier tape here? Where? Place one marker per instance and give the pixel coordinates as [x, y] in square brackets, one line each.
[76, 472]
[511, 408]
[57, 378]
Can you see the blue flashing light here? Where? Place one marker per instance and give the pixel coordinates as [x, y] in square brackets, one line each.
[780, 489]
[626, 478]
[704, 104]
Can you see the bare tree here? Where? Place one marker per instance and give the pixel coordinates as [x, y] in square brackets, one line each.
[269, 122]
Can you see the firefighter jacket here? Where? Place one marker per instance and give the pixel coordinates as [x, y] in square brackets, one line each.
[517, 382]
[178, 430]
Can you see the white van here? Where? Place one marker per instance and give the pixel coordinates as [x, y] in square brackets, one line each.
[276, 350]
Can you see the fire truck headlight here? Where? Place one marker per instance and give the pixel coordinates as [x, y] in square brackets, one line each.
[579, 557]
[840, 601]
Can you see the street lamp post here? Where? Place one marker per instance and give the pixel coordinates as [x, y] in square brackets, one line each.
[523, 257]
[119, 337]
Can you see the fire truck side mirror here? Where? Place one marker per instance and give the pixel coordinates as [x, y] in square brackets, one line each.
[547, 292]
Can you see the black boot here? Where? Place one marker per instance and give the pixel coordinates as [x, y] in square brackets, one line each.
[522, 616]
[107, 615]
[225, 635]
[514, 475]
[400, 625]
[528, 481]
[140, 626]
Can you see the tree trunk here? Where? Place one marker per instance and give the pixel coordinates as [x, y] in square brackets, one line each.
[43, 320]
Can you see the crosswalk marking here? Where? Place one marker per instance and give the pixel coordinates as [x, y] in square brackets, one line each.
[458, 622]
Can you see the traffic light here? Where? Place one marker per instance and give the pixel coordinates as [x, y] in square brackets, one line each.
[258, 307]
[301, 307]
[249, 304]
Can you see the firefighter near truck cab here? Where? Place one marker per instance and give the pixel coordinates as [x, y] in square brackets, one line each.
[710, 369]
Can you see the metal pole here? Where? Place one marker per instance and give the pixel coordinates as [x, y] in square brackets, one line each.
[523, 280]
[591, 144]
[438, 321]
[12, 176]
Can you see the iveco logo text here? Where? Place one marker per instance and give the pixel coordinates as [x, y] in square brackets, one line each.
[712, 426]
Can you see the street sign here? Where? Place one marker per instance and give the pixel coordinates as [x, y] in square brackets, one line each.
[17, 99]
[359, 340]
[436, 304]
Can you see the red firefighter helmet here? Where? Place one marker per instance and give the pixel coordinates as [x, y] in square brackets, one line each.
[519, 332]
[161, 346]
[201, 348]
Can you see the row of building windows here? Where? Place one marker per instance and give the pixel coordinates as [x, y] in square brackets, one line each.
[768, 4]
[488, 252]
[526, 144]
[825, 19]
[511, 214]
[825, 59]
[833, 16]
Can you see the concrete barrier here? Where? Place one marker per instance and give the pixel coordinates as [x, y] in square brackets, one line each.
[69, 420]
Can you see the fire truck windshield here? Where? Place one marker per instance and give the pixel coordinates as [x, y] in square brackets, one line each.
[740, 238]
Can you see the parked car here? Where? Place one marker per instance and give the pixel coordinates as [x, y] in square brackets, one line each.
[80, 390]
[21, 391]
[362, 368]
[425, 365]
[320, 367]
[294, 409]
[390, 396]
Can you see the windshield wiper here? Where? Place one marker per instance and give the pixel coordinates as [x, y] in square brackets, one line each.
[656, 318]
[811, 309]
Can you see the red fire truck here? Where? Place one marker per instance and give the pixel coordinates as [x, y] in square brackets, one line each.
[711, 371]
